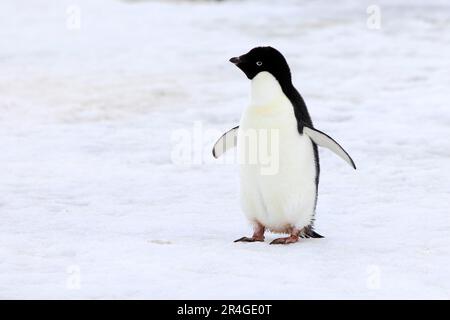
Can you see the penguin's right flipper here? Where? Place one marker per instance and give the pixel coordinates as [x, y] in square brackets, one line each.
[324, 140]
[227, 141]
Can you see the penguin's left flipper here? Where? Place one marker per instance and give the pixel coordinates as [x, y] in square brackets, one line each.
[324, 140]
[227, 141]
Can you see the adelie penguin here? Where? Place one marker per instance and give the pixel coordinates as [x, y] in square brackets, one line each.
[282, 201]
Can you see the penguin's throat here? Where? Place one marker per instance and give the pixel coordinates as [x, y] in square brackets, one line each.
[265, 90]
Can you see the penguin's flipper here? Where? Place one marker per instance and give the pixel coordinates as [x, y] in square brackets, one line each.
[324, 140]
[227, 141]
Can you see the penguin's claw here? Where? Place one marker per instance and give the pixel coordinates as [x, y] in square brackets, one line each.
[247, 239]
[287, 240]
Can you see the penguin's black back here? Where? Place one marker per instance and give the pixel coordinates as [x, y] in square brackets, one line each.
[303, 119]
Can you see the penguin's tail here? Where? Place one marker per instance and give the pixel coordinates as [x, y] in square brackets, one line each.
[308, 232]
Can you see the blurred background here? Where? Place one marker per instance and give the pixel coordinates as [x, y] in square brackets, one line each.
[93, 205]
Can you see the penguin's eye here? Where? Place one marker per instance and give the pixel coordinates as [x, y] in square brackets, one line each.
[259, 63]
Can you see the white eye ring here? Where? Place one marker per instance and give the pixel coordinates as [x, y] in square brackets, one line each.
[259, 63]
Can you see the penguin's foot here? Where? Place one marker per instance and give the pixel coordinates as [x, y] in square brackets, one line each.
[258, 234]
[251, 239]
[291, 239]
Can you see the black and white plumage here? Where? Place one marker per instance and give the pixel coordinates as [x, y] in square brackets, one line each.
[286, 200]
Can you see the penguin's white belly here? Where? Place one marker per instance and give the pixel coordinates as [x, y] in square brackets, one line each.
[279, 190]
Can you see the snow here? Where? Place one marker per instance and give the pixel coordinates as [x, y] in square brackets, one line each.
[95, 202]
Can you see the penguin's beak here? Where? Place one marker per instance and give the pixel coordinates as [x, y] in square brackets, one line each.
[235, 60]
[242, 63]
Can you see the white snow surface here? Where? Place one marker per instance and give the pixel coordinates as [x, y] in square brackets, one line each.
[93, 205]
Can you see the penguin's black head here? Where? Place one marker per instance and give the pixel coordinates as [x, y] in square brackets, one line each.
[263, 59]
